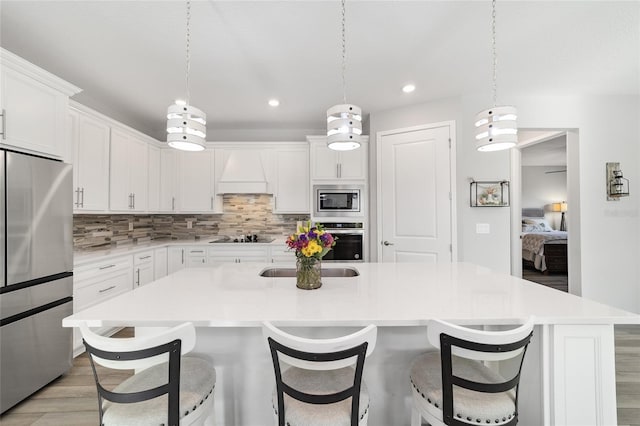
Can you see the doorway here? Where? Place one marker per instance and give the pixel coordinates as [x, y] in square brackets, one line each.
[545, 209]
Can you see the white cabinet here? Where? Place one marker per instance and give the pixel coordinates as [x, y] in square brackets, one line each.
[33, 104]
[176, 259]
[196, 257]
[196, 181]
[143, 268]
[160, 263]
[153, 185]
[128, 172]
[168, 180]
[238, 254]
[291, 194]
[327, 164]
[282, 255]
[97, 282]
[90, 149]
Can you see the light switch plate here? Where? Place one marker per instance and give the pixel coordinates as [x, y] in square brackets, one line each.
[189, 224]
[483, 228]
[130, 226]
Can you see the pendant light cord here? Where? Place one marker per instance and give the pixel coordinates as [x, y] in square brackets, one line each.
[495, 56]
[344, 55]
[188, 46]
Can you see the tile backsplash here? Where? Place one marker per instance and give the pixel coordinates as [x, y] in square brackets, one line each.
[243, 214]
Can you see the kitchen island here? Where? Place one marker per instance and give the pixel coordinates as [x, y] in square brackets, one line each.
[568, 376]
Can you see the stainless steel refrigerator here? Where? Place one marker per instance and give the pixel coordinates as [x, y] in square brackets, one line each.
[36, 279]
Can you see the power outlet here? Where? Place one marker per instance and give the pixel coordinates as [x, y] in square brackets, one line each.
[130, 226]
[189, 224]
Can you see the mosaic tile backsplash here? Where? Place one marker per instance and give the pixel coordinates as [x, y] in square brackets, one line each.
[243, 215]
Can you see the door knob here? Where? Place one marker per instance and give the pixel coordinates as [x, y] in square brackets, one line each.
[387, 243]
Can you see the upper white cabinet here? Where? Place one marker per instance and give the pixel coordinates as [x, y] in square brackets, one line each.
[196, 181]
[128, 172]
[90, 152]
[168, 180]
[34, 105]
[327, 164]
[153, 178]
[291, 180]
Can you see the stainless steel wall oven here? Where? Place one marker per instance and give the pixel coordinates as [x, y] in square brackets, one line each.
[349, 244]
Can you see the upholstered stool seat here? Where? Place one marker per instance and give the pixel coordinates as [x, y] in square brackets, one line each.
[476, 407]
[320, 383]
[197, 382]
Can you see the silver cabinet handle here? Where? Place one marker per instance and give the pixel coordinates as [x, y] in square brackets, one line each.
[339, 170]
[173, 203]
[211, 203]
[4, 124]
[82, 198]
[182, 256]
[138, 278]
[144, 257]
[387, 243]
[77, 191]
[197, 251]
[107, 267]
[134, 200]
[129, 200]
[107, 289]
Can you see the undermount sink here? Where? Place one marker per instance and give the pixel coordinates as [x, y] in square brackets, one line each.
[325, 272]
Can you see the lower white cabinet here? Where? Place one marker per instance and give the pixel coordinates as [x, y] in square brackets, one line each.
[97, 282]
[176, 259]
[160, 263]
[196, 257]
[143, 268]
[282, 255]
[235, 254]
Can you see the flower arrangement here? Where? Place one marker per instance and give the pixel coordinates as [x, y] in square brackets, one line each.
[311, 241]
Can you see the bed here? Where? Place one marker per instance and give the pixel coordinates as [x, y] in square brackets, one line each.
[543, 248]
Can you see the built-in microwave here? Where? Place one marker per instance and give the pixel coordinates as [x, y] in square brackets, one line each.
[337, 200]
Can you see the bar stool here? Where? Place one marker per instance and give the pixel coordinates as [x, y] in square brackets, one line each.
[318, 378]
[454, 387]
[188, 381]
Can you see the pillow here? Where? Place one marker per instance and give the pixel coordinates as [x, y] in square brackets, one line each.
[539, 222]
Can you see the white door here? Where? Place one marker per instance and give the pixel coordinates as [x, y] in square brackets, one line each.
[414, 197]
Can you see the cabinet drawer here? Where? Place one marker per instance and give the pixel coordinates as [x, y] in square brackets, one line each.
[143, 257]
[97, 269]
[102, 288]
[240, 252]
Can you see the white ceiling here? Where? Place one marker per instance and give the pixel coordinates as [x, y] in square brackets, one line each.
[129, 56]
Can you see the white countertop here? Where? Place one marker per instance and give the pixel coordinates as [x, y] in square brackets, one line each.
[386, 294]
[81, 257]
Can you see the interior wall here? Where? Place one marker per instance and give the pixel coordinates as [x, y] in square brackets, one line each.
[540, 189]
[609, 230]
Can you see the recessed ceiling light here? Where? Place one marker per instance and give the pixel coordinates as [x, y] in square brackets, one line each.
[408, 88]
[274, 102]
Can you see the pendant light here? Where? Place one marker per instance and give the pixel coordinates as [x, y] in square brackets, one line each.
[186, 124]
[344, 121]
[496, 127]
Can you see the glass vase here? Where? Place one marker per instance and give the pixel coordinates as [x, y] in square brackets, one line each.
[308, 273]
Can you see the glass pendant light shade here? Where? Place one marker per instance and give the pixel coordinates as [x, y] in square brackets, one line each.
[344, 127]
[496, 128]
[186, 127]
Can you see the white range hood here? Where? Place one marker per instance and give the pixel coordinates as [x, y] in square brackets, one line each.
[243, 173]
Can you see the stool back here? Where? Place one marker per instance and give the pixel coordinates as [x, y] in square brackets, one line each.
[320, 354]
[453, 340]
[130, 353]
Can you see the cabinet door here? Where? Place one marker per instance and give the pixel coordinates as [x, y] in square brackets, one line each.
[160, 263]
[138, 174]
[176, 259]
[143, 274]
[168, 179]
[91, 163]
[119, 191]
[324, 162]
[153, 181]
[195, 178]
[35, 114]
[352, 164]
[291, 193]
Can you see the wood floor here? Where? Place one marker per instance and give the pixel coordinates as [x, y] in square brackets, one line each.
[71, 400]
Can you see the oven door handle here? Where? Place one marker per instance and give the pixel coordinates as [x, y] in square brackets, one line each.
[343, 231]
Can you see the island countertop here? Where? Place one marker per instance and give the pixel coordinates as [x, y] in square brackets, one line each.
[385, 294]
